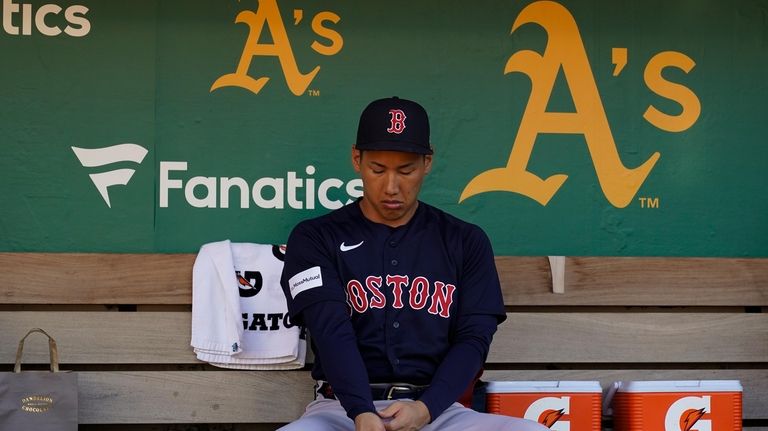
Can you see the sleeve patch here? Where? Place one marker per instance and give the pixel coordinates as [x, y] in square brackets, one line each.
[305, 280]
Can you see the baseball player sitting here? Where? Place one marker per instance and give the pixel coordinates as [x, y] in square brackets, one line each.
[400, 298]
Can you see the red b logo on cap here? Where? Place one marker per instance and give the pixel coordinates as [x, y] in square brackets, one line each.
[397, 121]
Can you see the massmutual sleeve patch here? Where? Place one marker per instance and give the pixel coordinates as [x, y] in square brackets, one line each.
[305, 280]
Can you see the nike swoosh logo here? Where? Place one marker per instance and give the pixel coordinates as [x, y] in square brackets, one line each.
[343, 247]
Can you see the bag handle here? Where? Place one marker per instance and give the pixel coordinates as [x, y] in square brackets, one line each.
[54, 351]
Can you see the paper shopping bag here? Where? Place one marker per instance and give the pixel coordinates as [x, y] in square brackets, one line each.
[38, 400]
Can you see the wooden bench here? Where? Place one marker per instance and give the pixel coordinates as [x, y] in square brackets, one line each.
[123, 322]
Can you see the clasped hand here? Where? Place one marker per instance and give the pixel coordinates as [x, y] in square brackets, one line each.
[398, 416]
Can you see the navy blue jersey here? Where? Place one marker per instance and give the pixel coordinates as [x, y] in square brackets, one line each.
[410, 294]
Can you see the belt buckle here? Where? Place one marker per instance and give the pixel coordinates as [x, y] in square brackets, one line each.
[391, 390]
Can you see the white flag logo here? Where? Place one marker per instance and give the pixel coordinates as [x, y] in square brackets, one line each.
[97, 157]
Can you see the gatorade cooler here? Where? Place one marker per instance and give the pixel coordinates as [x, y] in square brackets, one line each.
[562, 406]
[689, 405]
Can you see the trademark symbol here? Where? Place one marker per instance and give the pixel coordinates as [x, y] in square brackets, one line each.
[313, 93]
[649, 202]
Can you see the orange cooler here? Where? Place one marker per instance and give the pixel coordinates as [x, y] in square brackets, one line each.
[688, 405]
[560, 405]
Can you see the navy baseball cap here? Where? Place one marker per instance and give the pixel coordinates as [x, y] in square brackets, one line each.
[394, 124]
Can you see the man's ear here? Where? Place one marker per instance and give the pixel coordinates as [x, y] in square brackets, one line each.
[427, 163]
[357, 157]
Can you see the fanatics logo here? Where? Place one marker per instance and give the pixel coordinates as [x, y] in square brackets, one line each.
[97, 157]
[397, 121]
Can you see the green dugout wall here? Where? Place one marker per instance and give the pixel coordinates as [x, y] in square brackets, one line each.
[606, 128]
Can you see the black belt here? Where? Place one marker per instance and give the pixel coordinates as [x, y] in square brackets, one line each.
[380, 391]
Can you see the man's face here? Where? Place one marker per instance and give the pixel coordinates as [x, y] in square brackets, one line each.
[391, 184]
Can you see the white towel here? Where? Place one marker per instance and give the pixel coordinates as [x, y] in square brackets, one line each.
[239, 313]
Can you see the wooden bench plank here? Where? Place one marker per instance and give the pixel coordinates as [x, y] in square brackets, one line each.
[95, 278]
[193, 396]
[101, 337]
[102, 278]
[280, 396]
[637, 281]
[631, 337]
[190, 427]
[163, 337]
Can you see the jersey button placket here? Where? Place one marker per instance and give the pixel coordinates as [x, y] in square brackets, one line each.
[392, 333]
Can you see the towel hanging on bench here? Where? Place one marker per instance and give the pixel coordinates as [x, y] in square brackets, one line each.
[239, 314]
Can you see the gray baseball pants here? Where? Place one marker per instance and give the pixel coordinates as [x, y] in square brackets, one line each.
[328, 415]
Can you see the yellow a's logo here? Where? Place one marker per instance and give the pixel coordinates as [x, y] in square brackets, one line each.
[268, 14]
[564, 49]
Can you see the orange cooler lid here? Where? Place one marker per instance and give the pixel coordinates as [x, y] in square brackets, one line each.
[680, 386]
[570, 386]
